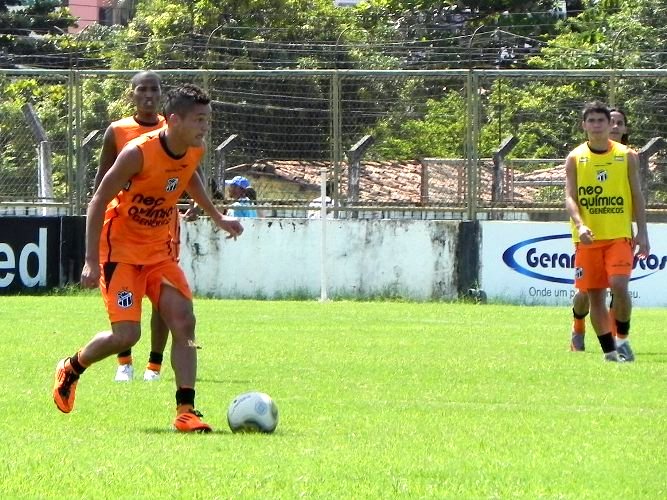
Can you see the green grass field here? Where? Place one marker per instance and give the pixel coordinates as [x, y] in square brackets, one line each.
[376, 399]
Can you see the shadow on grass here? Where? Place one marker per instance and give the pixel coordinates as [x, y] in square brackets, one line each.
[220, 433]
[221, 381]
[162, 430]
[654, 357]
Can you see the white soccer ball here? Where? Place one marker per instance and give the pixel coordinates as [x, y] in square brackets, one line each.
[252, 412]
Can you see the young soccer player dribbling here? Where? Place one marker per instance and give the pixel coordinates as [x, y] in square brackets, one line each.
[128, 248]
[146, 94]
[602, 196]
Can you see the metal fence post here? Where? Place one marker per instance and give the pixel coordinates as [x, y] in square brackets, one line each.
[506, 146]
[423, 188]
[354, 155]
[45, 188]
[217, 183]
[78, 127]
[336, 140]
[82, 171]
[645, 153]
[44, 172]
[73, 197]
[472, 134]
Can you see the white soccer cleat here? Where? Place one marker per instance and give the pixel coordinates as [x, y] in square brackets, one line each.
[124, 373]
[613, 357]
[151, 375]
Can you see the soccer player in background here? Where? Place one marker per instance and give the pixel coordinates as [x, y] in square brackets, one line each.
[580, 305]
[146, 97]
[602, 197]
[128, 248]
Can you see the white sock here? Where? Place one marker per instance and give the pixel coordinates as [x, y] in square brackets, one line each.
[620, 341]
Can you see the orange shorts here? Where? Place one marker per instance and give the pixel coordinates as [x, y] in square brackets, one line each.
[124, 286]
[595, 263]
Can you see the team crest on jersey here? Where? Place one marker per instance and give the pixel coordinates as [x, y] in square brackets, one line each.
[171, 184]
[601, 175]
[578, 273]
[125, 299]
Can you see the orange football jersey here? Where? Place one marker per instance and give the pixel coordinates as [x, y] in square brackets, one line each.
[137, 222]
[126, 129]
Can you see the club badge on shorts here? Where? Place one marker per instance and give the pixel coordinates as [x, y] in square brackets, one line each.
[578, 273]
[125, 299]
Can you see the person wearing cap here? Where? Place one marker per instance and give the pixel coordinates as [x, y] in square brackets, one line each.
[238, 190]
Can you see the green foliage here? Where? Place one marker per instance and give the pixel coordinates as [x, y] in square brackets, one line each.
[17, 45]
[608, 34]
[613, 34]
[409, 118]
[550, 194]
[439, 133]
[18, 163]
[539, 113]
[168, 34]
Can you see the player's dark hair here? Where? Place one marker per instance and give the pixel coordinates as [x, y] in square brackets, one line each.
[251, 193]
[625, 138]
[596, 107]
[182, 99]
[140, 76]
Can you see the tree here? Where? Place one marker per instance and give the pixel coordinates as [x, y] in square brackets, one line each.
[615, 34]
[544, 115]
[441, 34]
[234, 34]
[23, 33]
[608, 33]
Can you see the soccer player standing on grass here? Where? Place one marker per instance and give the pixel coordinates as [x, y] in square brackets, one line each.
[580, 306]
[146, 95]
[602, 196]
[129, 248]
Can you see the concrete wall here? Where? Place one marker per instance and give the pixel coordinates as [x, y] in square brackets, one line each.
[364, 258]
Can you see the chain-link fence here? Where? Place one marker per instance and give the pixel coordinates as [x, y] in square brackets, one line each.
[424, 144]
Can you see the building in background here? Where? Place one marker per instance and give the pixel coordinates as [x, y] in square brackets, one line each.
[104, 12]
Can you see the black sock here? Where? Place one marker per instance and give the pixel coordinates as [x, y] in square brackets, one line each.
[607, 342]
[76, 365]
[623, 327]
[125, 354]
[185, 396]
[155, 357]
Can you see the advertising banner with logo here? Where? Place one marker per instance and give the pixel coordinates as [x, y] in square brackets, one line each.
[29, 253]
[533, 263]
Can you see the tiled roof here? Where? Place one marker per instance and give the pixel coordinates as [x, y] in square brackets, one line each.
[400, 182]
[386, 181]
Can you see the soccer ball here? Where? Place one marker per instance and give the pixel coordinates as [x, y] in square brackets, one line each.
[252, 412]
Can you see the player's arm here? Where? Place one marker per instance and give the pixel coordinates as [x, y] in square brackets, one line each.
[127, 165]
[107, 156]
[638, 205]
[193, 211]
[198, 193]
[571, 203]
